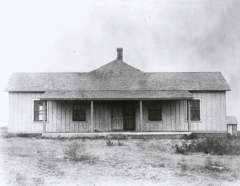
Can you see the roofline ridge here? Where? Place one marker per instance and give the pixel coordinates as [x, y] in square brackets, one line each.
[188, 72]
[50, 72]
[116, 60]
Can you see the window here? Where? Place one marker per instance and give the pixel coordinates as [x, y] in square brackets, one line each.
[79, 111]
[195, 109]
[155, 112]
[38, 110]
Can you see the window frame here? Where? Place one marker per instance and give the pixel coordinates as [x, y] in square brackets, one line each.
[153, 104]
[200, 109]
[83, 103]
[33, 110]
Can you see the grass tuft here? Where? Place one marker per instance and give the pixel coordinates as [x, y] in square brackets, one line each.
[74, 151]
[109, 143]
[119, 143]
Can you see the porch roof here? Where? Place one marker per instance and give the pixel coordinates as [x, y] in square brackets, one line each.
[116, 95]
[231, 120]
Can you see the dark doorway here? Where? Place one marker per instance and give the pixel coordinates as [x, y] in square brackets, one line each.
[129, 116]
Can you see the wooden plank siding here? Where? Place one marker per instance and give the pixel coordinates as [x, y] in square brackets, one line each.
[21, 113]
[173, 117]
[60, 117]
[212, 114]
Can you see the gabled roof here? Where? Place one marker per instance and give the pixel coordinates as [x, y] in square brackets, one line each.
[120, 79]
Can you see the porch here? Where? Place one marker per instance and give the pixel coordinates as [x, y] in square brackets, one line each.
[124, 116]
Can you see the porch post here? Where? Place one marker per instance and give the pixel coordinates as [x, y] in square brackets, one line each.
[141, 119]
[44, 118]
[189, 117]
[91, 116]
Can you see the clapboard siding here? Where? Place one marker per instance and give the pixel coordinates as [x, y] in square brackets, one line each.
[213, 112]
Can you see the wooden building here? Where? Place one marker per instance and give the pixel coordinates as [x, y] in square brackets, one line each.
[117, 97]
[231, 125]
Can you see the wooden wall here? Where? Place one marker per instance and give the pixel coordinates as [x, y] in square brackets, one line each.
[213, 114]
[60, 118]
[21, 113]
[173, 117]
[59, 115]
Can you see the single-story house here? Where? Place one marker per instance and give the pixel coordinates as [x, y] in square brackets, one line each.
[117, 97]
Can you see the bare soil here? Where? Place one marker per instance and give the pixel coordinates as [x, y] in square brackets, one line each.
[35, 161]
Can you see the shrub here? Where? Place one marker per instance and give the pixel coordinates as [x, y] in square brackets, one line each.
[210, 145]
[189, 137]
[184, 148]
[109, 143]
[183, 165]
[74, 151]
[214, 165]
[213, 145]
[22, 135]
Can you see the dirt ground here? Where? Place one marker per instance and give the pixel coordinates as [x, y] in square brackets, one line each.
[33, 161]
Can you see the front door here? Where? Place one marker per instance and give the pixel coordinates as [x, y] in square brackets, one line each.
[117, 115]
[129, 116]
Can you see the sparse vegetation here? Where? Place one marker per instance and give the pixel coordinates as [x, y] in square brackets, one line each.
[214, 165]
[183, 149]
[209, 145]
[39, 181]
[33, 161]
[75, 151]
[109, 143]
[190, 136]
[20, 179]
[120, 143]
[183, 165]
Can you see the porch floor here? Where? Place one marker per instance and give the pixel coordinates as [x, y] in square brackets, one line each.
[118, 135]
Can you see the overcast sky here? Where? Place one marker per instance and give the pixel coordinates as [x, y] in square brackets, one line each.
[159, 36]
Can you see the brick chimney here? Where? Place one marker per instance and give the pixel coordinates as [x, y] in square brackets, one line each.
[120, 53]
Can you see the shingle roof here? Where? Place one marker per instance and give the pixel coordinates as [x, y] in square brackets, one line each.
[117, 75]
[231, 120]
[117, 94]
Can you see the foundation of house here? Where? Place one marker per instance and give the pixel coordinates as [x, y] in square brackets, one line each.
[118, 135]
